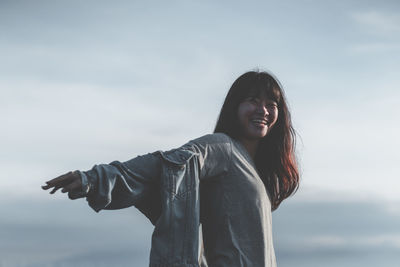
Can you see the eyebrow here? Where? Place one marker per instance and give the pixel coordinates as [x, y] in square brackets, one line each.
[266, 98]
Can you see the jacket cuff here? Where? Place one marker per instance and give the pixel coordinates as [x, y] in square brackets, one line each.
[84, 190]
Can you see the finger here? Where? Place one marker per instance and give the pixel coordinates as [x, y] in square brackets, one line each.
[62, 177]
[61, 180]
[55, 189]
[45, 187]
[76, 185]
[48, 186]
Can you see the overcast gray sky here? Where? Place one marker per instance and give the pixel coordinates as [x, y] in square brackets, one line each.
[84, 82]
[87, 82]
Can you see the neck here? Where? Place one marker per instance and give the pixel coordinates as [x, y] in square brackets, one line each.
[251, 147]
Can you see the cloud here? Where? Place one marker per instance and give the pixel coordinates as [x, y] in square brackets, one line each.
[379, 23]
[375, 47]
[58, 231]
[322, 232]
[378, 32]
[337, 241]
[356, 140]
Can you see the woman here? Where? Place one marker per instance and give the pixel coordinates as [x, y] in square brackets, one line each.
[229, 181]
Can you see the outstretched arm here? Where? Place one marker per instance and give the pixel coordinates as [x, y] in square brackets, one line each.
[137, 181]
[116, 185]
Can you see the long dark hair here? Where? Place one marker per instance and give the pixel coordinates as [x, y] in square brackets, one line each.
[275, 157]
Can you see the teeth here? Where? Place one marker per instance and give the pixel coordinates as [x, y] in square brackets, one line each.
[260, 121]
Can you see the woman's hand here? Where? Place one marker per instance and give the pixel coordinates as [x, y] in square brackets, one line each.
[69, 182]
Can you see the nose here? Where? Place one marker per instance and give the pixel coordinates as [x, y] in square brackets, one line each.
[262, 109]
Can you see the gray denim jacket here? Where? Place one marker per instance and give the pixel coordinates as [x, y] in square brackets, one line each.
[165, 187]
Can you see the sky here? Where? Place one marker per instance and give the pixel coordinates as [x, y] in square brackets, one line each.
[66, 233]
[84, 82]
[88, 82]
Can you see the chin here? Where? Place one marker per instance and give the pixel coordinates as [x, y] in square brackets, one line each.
[263, 134]
[259, 136]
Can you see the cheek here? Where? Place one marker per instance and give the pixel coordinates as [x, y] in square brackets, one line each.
[244, 109]
[241, 113]
[275, 117]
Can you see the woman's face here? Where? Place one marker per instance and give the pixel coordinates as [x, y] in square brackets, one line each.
[257, 115]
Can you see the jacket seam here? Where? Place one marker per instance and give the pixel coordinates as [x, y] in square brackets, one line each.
[231, 152]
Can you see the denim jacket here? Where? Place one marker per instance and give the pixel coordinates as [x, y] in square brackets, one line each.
[164, 186]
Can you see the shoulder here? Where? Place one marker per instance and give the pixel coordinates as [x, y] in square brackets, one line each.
[215, 139]
[211, 144]
[214, 152]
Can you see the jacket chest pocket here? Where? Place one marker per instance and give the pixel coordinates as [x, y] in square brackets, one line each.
[180, 169]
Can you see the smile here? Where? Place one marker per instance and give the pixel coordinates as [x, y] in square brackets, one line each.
[260, 122]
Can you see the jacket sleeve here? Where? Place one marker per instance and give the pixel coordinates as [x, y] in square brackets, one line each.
[122, 184]
[137, 182]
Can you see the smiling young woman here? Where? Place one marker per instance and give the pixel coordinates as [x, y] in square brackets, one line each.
[274, 153]
[228, 181]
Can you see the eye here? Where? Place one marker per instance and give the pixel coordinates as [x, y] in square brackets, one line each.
[252, 99]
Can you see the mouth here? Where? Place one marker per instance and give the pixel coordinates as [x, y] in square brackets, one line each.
[260, 122]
